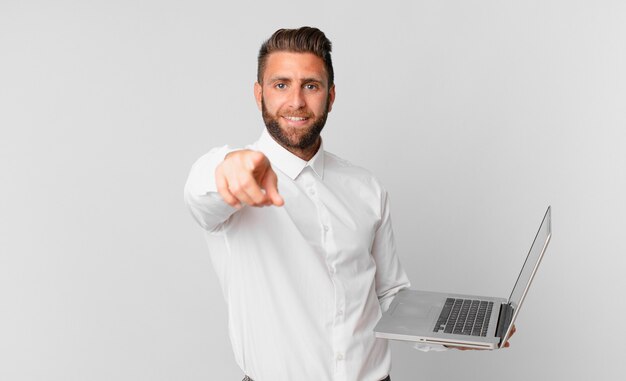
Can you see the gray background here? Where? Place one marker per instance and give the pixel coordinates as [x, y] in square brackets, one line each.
[475, 115]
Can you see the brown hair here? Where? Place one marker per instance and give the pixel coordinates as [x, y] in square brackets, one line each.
[302, 40]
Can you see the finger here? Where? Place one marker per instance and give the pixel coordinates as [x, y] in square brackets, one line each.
[222, 189]
[256, 164]
[248, 191]
[240, 193]
[239, 169]
[513, 329]
[270, 184]
[256, 161]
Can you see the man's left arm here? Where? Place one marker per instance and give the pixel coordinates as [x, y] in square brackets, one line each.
[390, 276]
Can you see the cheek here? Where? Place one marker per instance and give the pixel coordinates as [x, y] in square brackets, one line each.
[272, 108]
[319, 105]
[272, 104]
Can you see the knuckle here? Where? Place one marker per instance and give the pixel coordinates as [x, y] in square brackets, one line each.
[235, 188]
[246, 182]
[256, 155]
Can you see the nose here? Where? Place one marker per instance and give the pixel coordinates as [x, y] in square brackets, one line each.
[296, 99]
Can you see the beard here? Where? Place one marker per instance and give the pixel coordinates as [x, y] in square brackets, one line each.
[295, 138]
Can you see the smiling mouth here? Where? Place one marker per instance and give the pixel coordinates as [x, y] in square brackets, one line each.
[295, 118]
[296, 121]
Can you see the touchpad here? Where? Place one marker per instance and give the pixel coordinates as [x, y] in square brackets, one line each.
[414, 310]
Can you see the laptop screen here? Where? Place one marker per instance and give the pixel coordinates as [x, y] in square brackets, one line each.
[532, 261]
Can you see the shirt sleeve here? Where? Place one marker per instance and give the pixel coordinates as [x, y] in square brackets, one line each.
[201, 196]
[390, 276]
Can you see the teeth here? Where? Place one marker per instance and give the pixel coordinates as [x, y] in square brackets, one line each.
[295, 118]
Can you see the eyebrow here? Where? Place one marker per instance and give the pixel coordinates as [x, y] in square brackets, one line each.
[303, 80]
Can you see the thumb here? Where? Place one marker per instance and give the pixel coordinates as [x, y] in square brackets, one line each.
[270, 184]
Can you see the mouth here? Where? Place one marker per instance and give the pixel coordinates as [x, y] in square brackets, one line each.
[295, 120]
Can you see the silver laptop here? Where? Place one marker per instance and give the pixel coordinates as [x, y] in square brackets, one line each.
[462, 320]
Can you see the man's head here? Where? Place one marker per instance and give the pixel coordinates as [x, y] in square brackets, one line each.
[301, 40]
[295, 89]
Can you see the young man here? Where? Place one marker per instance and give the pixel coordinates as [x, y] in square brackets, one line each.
[301, 240]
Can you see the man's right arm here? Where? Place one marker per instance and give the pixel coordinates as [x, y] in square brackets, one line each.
[223, 180]
[204, 202]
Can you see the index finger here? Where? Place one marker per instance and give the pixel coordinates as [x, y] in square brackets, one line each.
[270, 184]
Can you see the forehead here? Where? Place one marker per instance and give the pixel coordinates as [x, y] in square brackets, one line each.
[294, 65]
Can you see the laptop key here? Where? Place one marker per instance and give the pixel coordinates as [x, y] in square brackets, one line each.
[464, 317]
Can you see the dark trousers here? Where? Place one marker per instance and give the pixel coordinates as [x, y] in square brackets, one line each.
[246, 378]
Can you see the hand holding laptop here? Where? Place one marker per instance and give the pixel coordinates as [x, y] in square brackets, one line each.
[460, 320]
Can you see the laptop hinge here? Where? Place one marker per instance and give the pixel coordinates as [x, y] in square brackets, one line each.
[506, 314]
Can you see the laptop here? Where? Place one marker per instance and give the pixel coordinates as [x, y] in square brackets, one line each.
[460, 320]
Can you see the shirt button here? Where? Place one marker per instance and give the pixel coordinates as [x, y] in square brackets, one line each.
[312, 192]
[340, 312]
[332, 270]
[339, 357]
[325, 228]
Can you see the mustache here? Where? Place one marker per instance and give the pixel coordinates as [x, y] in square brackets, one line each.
[303, 114]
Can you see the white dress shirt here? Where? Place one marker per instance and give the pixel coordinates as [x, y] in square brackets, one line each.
[305, 283]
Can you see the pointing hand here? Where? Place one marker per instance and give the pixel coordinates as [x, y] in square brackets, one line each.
[246, 177]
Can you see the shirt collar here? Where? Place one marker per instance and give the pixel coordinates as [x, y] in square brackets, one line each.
[287, 162]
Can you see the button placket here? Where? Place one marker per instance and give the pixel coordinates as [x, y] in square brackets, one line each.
[330, 249]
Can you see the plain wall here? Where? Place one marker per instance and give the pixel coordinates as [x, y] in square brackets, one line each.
[476, 115]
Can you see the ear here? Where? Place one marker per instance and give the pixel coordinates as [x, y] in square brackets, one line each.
[331, 97]
[258, 94]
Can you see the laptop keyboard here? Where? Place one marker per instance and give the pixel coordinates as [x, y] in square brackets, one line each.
[464, 317]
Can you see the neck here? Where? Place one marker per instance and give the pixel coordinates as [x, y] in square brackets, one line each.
[306, 154]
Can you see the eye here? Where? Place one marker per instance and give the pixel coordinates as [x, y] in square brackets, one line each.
[280, 86]
[311, 86]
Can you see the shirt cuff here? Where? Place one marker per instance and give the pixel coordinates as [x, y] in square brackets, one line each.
[428, 347]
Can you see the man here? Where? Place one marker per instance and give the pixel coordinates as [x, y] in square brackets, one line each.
[307, 270]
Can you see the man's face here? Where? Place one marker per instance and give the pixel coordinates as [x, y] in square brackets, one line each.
[294, 98]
